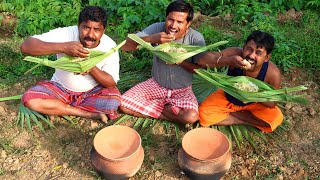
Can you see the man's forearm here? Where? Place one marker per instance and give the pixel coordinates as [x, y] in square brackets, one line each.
[36, 47]
[189, 66]
[102, 77]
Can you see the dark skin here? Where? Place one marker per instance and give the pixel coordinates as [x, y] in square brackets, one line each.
[176, 27]
[258, 56]
[90, 33]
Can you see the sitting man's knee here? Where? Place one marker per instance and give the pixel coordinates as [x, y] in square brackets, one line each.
[123, 109]
[31, 104]
[190, 116]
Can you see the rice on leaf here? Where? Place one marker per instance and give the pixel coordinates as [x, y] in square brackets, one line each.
[246, 86]
[76, 64]
[174, 49]
[265, 91]
[173, 56]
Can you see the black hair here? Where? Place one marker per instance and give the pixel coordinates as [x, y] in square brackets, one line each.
[181, 6]
[93, 13]
[262, 39]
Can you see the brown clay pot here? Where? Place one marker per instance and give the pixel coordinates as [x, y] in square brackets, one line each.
[205, 154]
[117, 152]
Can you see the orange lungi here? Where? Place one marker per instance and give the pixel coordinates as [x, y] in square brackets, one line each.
[216, 108]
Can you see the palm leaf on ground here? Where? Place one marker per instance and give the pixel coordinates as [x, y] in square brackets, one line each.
[28, 117]
[11, 98]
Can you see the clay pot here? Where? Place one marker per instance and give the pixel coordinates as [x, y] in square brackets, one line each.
[117, 152]
[205, 154]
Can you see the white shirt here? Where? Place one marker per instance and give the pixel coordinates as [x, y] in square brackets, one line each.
[81, 83]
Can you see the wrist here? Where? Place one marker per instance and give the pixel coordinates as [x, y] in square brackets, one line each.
[219, 58]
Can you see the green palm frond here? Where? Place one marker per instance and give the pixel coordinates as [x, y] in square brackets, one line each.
[11, 98]
[138, 123]
[146, 123]
[27, 117]
[166, 125]
[203, 88]
[71, 120]
[235, 137]
[266, 92]
[123, 118]
[246, 133]
[177, 130]
[174, 57]
[72, 64]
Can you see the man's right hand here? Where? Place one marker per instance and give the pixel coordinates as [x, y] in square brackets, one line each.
[75, 49]
[161, 38]
[237, 61]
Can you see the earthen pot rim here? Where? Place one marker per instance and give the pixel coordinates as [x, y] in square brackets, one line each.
[123, 158]
[118, 159]
[208, 160]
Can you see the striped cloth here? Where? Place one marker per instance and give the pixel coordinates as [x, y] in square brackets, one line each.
[97, 100]
[149, 98]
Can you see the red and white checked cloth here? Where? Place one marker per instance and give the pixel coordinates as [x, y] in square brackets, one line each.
[149, 98]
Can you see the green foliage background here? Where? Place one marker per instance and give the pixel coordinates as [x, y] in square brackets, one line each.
[296, 41]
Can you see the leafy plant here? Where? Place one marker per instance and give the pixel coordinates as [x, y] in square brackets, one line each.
[129, 16]
[39, 16]
[12, 67]
[314, 4]
[207, 7]
[288, 4]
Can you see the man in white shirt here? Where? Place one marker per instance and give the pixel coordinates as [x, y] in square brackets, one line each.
[89, 95]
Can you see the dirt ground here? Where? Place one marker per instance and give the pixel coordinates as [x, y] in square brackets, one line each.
[63, 152]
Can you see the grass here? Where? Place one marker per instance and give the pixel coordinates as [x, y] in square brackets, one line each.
[12, 67]
[136, 66]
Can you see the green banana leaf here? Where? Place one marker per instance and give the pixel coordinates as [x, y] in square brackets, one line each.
[67, 63]
[10, 98]
[174, 57]
[266, 92]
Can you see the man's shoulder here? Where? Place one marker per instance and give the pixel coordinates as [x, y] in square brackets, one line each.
[194, 37]
[153, 29]
[273, 68]
[158, 25]
[273, 71]
[106, 43]
[60, 34]
[71, 29]
[194, 32]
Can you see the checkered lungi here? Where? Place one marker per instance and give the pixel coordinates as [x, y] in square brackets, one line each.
[98, 100]
[149, 98]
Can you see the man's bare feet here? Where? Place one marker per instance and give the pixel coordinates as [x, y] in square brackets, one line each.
[51, 118]
[98, 116]
[103, 118]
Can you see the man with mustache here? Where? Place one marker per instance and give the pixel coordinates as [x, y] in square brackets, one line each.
[168, 94]
[90, 95]
[221, 108]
